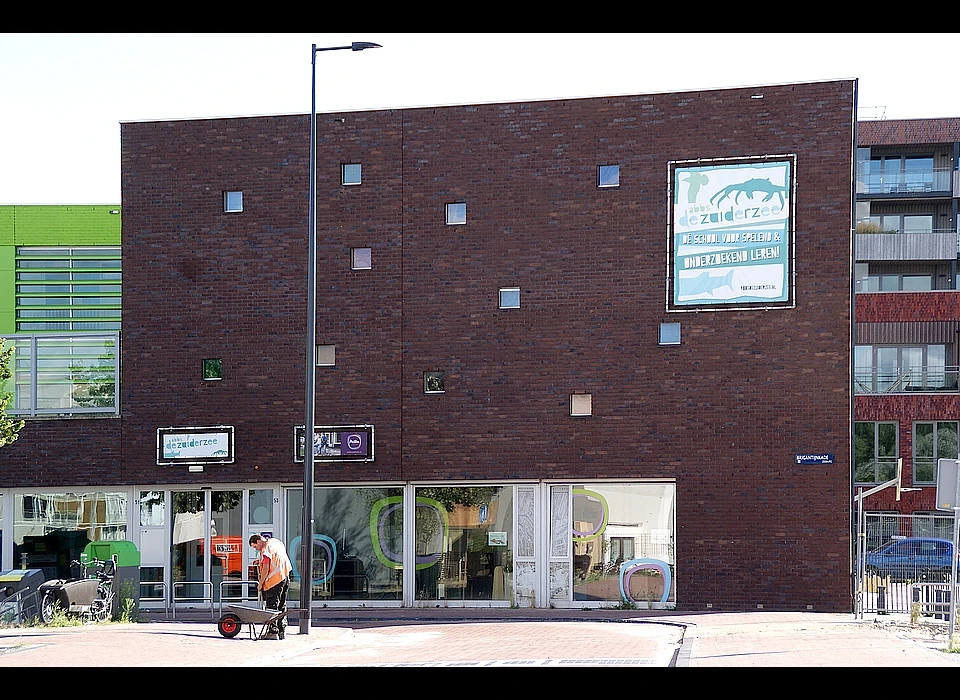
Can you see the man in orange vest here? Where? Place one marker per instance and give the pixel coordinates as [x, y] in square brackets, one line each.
[273, 569]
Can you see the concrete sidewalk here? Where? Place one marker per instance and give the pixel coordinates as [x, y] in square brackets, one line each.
[496, 637]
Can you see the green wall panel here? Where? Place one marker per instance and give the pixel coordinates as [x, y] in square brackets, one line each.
[64, 225]
[48, 225]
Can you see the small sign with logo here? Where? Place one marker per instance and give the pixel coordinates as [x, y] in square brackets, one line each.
[818, 458]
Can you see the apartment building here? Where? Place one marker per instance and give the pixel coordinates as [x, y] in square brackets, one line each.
[907, 315]
[569, 353]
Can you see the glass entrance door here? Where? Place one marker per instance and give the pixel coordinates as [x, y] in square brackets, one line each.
[205, 522]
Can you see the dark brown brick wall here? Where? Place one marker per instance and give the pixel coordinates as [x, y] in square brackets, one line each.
[908, 306]
[723, 414]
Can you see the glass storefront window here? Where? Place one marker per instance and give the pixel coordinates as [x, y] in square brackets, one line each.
[357, 543]
[623, 542]
[52, 529]
[464, 537]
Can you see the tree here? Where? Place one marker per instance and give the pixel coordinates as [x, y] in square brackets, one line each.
[9, 428]
[94, 386]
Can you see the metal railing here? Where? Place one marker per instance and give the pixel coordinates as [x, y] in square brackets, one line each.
[162, 598]
[873, 230]
[913, 182]
[20, 608]
[203, 598]
[245, 592]
[941, 379]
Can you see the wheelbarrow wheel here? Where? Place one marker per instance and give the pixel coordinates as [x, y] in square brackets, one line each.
[229, 625]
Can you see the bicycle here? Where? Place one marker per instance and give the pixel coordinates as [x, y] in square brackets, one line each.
[88, 596]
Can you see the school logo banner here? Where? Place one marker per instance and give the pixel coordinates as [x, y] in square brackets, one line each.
[730, 243]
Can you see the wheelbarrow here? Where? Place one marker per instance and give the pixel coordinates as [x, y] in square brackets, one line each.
[258, 620]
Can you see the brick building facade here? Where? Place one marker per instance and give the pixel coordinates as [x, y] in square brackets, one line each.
[701, 436]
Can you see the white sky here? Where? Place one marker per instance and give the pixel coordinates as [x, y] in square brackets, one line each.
[63, 96]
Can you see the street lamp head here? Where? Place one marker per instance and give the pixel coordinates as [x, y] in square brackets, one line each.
[361, 45]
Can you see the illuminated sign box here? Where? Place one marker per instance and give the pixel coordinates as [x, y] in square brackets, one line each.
[731, 233]
[336, 443]
[211, 445]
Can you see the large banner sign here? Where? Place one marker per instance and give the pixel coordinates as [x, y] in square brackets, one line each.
[731, 233]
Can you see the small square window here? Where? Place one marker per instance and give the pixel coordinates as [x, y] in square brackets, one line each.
[433, 383]
[233, 201]
[608, 176]
[212, 370]
[581, 404]
[351, 174]
[326, 355]
[510, 298]
[360, 259]
[669, 334]
[457, 213]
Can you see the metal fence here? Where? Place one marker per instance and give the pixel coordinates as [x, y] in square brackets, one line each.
[902, 564]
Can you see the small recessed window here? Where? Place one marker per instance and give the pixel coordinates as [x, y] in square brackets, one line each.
[360, 259]
[581, 404]
[608, 176]
[212, 369]
[433, 383]
[233, 201]
[510, 298]
[351, 174]
[669, 334]
[326, 355]
[457, 213]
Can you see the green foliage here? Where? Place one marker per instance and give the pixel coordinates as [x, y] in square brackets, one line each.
[433, 381]
[213, 369]
[93, 385]
[61, 618]
[453, 496]
[128, 606]
[869, 227]
[9, 428]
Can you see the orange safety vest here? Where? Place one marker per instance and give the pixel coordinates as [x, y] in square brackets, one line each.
[274, 566]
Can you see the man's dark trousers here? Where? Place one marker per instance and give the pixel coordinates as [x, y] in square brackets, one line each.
[276, 599]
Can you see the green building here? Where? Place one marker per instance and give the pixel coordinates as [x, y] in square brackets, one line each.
[59, 268]
[60, 293]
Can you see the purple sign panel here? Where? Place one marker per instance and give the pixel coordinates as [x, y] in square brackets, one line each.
[353, 443]
[337, 443]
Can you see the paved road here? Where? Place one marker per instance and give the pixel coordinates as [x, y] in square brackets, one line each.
[497, 638]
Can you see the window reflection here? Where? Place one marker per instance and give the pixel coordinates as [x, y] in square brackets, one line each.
[464, 541]
[52, 529]
[623, 542]
[357, 543]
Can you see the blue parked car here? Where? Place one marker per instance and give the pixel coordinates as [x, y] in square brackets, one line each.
[912, 559]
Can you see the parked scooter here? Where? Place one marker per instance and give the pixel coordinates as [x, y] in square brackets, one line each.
[90, 597]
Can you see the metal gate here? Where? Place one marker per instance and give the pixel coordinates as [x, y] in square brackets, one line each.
[901, 561]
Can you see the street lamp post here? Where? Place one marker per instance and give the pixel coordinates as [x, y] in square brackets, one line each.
[306, 533]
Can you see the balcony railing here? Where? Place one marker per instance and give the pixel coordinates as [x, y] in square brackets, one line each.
[934, 379]
[70, 374]
[870, 229]
[914, 182]
[875, 243]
